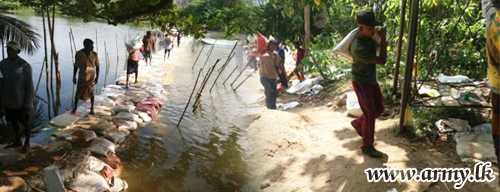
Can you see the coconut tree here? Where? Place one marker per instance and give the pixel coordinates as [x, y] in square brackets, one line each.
[14, 29]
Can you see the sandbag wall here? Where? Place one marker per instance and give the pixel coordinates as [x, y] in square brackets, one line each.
[91, 140]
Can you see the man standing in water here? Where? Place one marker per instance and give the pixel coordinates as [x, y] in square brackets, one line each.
[148, 47]
[18, 93]
[167, 42]
[87, 63]
[364, 79]
[133, 65]
[491, 11]
[270, 66]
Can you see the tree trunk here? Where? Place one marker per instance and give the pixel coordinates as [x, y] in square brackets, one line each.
[307, 25]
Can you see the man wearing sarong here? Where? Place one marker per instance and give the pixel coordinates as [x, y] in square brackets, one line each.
[87, 63]
[491, 11]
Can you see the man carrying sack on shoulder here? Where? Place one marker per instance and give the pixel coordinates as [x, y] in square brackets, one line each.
[364, 78]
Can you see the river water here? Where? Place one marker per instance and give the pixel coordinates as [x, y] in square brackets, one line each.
[203, 154]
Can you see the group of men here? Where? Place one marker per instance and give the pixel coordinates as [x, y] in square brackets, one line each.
[364, 80]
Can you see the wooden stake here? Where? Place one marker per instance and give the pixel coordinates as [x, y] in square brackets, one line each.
[209, 53]
[39, 77]
[230, 75]
[203, 86]
[242, 71]
[117, 56]
[189, 100]
[106, 60]
[221, 70]
[244, 80]
[47, 80]
[226, 63]
[198, 56]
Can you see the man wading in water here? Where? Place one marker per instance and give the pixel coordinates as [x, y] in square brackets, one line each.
[133, 65]
[87, 63]
[270, 66]
[17, 93]
[148, 47]
[167, 42]
[364, 79]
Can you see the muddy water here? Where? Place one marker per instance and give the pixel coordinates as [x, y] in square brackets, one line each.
[202, 154]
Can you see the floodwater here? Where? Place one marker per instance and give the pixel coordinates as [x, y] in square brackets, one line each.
[202, 154]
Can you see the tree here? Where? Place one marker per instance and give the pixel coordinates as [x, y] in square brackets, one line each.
[20, 31]
[113, 11]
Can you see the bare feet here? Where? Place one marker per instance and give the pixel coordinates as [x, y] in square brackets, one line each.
[91, 112]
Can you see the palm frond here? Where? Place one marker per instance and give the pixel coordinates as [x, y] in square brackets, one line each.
[14, 29]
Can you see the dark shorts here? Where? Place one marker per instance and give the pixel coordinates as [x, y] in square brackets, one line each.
[147, 54]
[167, 50]
[132, 67]
[14, 115]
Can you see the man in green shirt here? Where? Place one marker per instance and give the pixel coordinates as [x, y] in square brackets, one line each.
[364, 78]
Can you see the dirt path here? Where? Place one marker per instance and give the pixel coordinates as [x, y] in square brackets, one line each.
[315, 149]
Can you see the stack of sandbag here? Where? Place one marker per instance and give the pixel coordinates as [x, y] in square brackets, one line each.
[64, 121]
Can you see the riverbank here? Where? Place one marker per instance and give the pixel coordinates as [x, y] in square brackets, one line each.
[314, 148]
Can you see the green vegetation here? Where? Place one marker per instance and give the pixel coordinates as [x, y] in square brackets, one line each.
[9, 5]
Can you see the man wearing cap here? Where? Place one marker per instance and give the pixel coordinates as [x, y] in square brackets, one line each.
[87, 62]
[364, 79]
[17, 92]
[270, 66]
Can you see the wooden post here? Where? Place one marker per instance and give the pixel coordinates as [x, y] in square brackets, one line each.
[226, 63]
[209, 53]
[198, 56]
[190, 96]
[97, 51]
[220, 72]
[106, 60]
[203, 85]
[230, 75]
[242, 71]
[47, 80]
[410, 53]
[400, 43]
[244, 80]
[39, 77]
[307, 24]
[117, 56]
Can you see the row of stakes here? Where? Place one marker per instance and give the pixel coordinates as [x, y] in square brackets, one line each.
[196, 104]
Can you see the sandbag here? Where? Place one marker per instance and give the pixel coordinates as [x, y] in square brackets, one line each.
[344, 47]
[119, 185]
[150, 110]
[102, 146]
[352, 105]
[119, 109]
[123, 102]
[95, 124]
[111, 86]
[144, 116]
[125, 116]
[64, 121]
[115, 136]
[103, 101]
[125, 124]
[111, 160]
[112, 90]
[121, 80]
[75, 134]
[57, 146]
[134, 44]
[157, 100]
[138, 99]
[475, 147]
[89, 181]
[103, 111]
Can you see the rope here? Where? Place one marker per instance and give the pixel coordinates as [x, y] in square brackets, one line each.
[442, 49]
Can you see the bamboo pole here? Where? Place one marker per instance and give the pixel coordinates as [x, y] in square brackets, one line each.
[117, 56]
[51, 62]
[71, 44]
[47, 80]
[198, 96]
[244, 80]
[412, 36]
[223, 67]
[221, 70]
[191, 96]
[73, 38]
[39, 77]
[97, 51]
[229, 56]
[400, 43]
[198, 56]
[209, 54]
[242, 71]
[230, 75]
